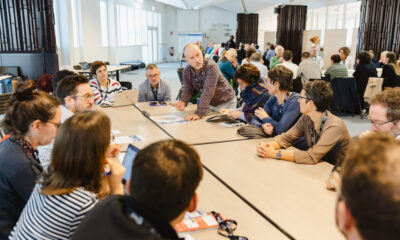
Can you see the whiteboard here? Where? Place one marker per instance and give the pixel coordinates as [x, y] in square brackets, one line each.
[185, 38]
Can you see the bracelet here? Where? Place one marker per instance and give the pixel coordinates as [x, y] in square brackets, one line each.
[279, 155]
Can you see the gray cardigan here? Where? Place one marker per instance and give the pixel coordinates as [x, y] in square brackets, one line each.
[146, 92]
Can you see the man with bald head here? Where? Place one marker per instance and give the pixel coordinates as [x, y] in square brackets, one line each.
[203, 76]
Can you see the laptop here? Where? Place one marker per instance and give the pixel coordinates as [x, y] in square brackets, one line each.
[126, 98]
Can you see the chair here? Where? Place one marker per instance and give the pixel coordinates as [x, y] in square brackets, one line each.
[345, 96]
[3, 101]
[374, 87]
[179, 71]
[77, 67]
[126, 85]
[297, 85]
[107, 63]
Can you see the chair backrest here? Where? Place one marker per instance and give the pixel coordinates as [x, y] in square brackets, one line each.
[374, 87]
[345, 95]
[179, 71]
[77, 67]
[3, 102]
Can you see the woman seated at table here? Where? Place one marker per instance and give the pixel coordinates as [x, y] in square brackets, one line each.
[390, 71]
[254, 94]
[103, 88]
[77, 178]
[282, 110]
[326, 134]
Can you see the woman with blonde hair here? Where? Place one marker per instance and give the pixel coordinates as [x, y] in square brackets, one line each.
[83, 166]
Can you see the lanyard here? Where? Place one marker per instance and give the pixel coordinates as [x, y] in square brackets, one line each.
[280, 108]
[320, 130]
[154, 91]
[199, 81]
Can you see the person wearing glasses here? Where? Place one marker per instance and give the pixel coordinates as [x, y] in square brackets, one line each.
[32, 120]
[154, 88]
[368, 202]
[384, 116]
[75, 95]
[162, 187]
[103, 88]
[78, 179]
[325, 133]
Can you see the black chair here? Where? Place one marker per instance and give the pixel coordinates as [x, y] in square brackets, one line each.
[215, 58]
[179, 71]
[126, 85]
[297, 85]
[345, 96]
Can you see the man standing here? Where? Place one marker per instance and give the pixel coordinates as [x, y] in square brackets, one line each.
[316, 58]
[203, 75]
[231, 43]
[154, 88]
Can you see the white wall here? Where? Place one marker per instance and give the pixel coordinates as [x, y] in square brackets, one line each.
[217, 24]
[267, 22]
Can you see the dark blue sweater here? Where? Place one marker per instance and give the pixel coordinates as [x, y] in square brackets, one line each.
[284, 116]
[17, 181]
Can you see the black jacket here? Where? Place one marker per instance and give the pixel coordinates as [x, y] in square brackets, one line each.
[230, 44]
[389, 76]
[121, 217]
[362, 73]
[241, 54]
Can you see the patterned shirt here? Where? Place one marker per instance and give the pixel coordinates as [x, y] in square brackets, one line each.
[102, 95]
[309, 69]
[214, 88]
[53, 216]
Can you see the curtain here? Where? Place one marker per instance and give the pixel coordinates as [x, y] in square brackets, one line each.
[247, 28]
[291, 24]
[379, 26]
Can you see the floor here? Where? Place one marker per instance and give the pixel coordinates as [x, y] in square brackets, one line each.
[355, 124]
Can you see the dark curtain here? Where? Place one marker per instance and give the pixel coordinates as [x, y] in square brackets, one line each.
[379, 26]
[247, 28]
[291, 24]
[26, 26]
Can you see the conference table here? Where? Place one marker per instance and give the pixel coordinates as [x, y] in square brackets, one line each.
[270, 199]
[110, 69]
[195, 132]
[291, 195]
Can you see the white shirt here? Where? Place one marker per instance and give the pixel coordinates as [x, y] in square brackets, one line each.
[262, 68]
[318, 59]
[292, 67]
[349, 63]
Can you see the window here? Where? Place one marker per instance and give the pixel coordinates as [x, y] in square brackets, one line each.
[335, 17]
[122, 25]
[104, 23]
[75, 26]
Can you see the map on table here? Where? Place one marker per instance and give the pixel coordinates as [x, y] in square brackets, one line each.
[168, 119]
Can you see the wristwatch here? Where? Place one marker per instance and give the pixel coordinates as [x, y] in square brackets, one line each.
[279, 154]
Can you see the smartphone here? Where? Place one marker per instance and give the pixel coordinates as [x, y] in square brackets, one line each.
[128, 162]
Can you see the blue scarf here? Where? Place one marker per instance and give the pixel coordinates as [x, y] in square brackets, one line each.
[254, 96]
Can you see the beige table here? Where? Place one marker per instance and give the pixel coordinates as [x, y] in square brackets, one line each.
[213, 196]
[195, 132]
[129, 121]
[292, 195]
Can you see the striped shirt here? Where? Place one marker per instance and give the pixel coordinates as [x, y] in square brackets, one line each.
[336, 70]
[309, 69]
[53, 216]
[102, 95]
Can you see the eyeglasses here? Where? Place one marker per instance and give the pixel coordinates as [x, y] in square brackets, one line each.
[226, 227]
[55, 124]
[87, 96]
[305, 98]
[153, 76]
[378, 124]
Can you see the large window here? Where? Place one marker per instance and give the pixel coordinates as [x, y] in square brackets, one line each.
[104, 23]
[342, 16]
[133, 24]
[75, 20]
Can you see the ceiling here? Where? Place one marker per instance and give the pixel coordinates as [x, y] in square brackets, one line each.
[238, 6]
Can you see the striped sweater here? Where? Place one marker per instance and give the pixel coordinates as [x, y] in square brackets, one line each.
[102, 95]
[53, 216]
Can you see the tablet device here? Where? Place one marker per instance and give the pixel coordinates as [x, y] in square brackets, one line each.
[128, 161]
